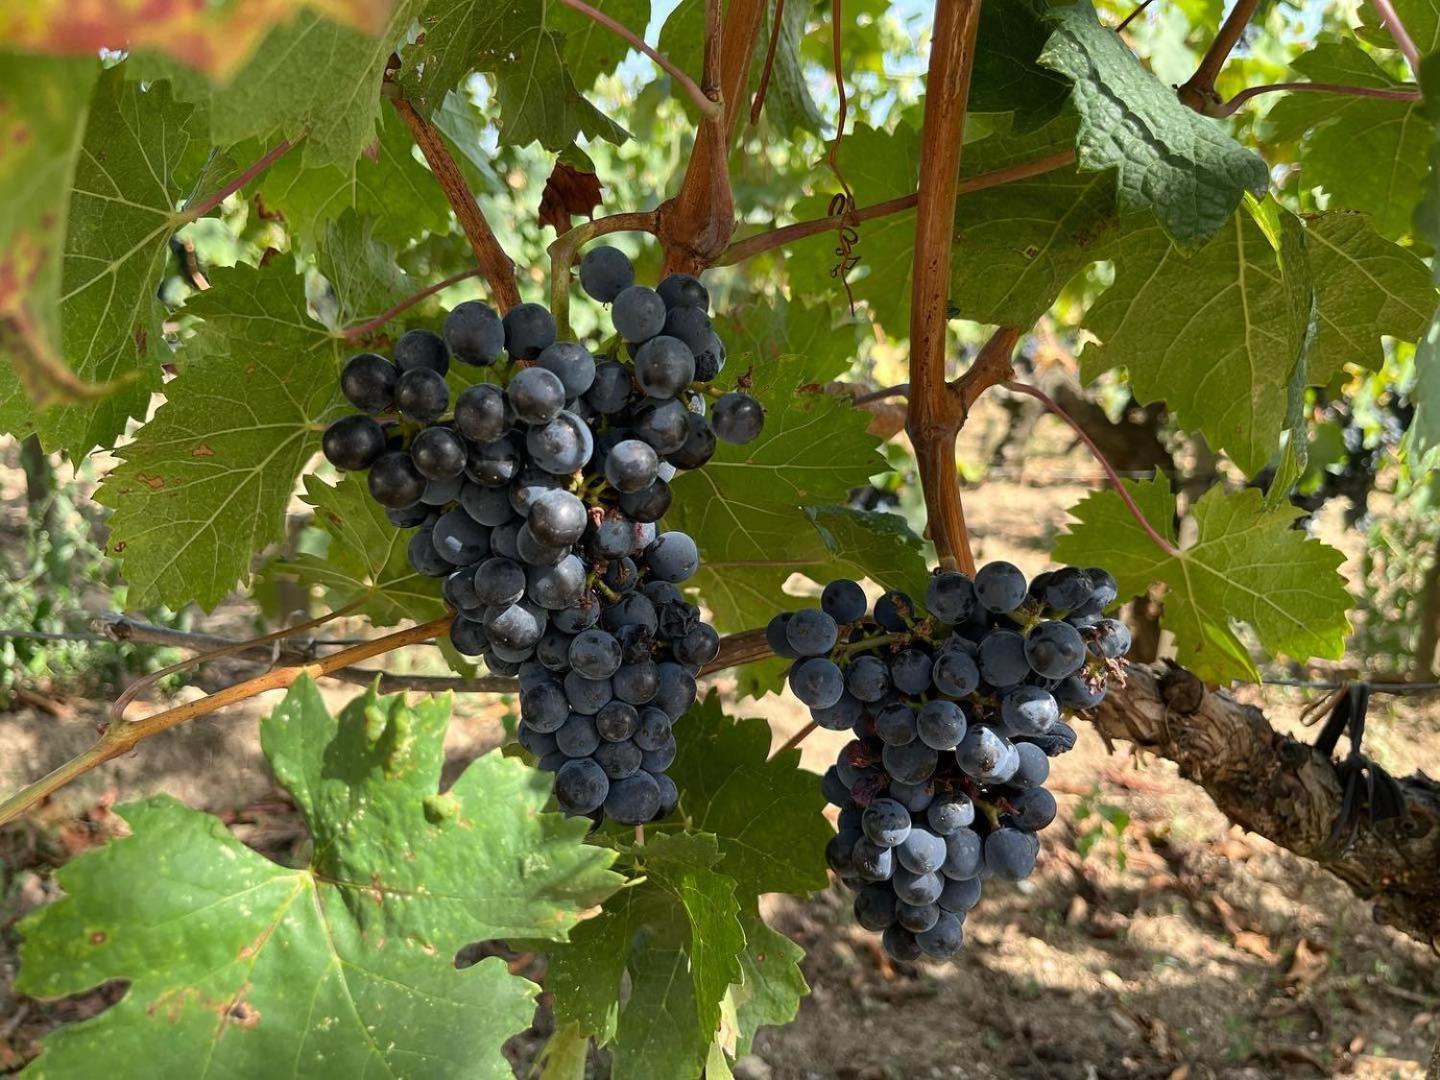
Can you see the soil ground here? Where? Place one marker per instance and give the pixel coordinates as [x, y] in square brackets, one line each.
[1175, 946]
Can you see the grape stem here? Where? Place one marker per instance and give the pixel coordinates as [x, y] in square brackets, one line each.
[1198, 91]
[119, 739]
[497, 266]
[1229, 108]
[1114, 477]
[708, 106]
[1403, 41]
[796, 739]
[210, 202]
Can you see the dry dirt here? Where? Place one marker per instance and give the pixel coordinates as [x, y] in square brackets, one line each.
[1176, 947]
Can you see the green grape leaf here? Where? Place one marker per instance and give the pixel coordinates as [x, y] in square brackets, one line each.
[310, 79]
[747, 508]
[216, 38]
[1365, 287]
[243, 966]
[773, 984]
[1421, 447]
[1007, 75]
[364, 560]
[361, 270]
[878, 165]
[126, 185]
[1017, 245]
[206, 482]
[385, 183]
[676, 933]
[419, 864]
[1367, 153]
[514, 42]
[767, 813]
[1222, 358]
[1247, 565]
[592, 50]
[1166, 158]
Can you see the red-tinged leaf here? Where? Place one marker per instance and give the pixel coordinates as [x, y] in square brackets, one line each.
[216, 38]
[569, 192]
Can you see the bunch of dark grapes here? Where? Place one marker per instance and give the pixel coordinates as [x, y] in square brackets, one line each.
[537, 500]
[956, 714]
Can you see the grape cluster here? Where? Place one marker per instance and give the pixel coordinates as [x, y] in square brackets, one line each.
[536, 499]
[955, 715]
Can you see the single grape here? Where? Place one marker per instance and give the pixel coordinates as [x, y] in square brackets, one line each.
[562, 446]
[631, 465]
[699, 445]
[921, 852]
[901, 945]
[536, 395]
[557, 587]
[474, 333]
[844, 601]
[1074, 693]
[868, 678]
[587, 696]
[499, 582]
[911, 763]
[493, 464]
[1034, 809]
[557, 517]
[910, 671]
[1103, 591]
[617, 721]
[701, 644]
[1055, 649]
[648, 504]
[538, 744]
[1010, 853]
[676, 691]
[1067, 589]
[532, 483]
[423, 556]
[894, 611]
[633, 800]
[605, 273]
[664, 366]
[914, 797]
[553, 649]
[682, 290]
[944, 940]
[1000, 587]
[1029, 710]
[618, 759]
[422, 349]
[673, 557]
[959, 896]
[710, 359]
[963, 855]
[984, 754]
[950, 813]
[581, 786]
[837, 794]
[886, 822]
[657, 761]
[950, 597]
[544, 707]
[1110, 638]
[665, 425]
[917, 888]
[811, 632]
[517, 626]
[690, 325]
[460, 539]
[895, 724]
[394, 480]
[468, 636]
[438, 453]
[368, 382]
[1002, 659]
[572, 364]
[669, 796]
[917, 918]
[577, 737]
[458, 589]
[610, 392]
[941, 724]
[638, 314]
[653, 730]
[529, 331]
[595, 654]
[534, 553]
[1034, 767]
[421, 394]
[631, 610]
[817, 682]
[872, 862]
[777, 637]
[353, 443]
[955, 673]
[407, 517]
[874, 907]
[737, 418]
[442, 492]
[480, 413]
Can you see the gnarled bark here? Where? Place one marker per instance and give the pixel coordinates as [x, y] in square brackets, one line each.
[1285, 790]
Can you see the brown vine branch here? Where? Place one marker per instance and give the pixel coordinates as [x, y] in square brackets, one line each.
[120, 738]
[1198, 91]
[706, 106]
[1229, 108]
[210, 202]
[801, 230]
[499, 271]
[564, 248]
[1104, 462]
[898, 390]
[360, 330]
[1390, 18]
[768, 66]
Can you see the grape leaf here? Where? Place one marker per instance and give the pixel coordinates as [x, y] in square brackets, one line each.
[515, 43]
[217, 38]
[1365, 286]
[421, 865]
[746, 508]
[592, 50]
[206, 482]
[1422, 437]
[879, 165]
[126, 186]
[1220, 360]
[676, 933]
[1007, 75]
[310, 79]
[1166, 157]
[1368, 153]
[385, 183]
[766, 813]
[365, 558]
[773, 985]
[361, 270]
[1017, 245]
[1247, 565]
[246, 967]
[43, 104]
